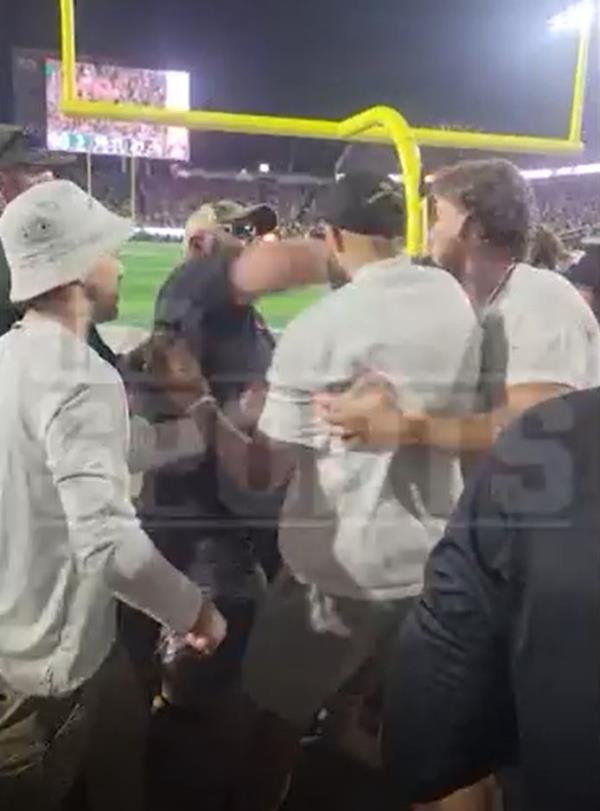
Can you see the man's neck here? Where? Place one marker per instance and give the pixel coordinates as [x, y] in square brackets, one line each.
[72, 311]
[482, 276]
[368, 257]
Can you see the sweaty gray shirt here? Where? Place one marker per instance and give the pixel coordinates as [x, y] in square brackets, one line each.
[361, 524]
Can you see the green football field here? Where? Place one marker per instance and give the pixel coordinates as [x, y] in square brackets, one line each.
[147, 265]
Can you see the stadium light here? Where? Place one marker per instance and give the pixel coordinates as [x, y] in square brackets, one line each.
[577, 17]
[264, 168]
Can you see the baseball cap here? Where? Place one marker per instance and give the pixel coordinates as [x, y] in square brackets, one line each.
[19, 146]
[227, 212]
[365, 203]
[53, 234]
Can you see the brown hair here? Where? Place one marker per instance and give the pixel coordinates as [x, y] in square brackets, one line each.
[547, 249]
[496, 196]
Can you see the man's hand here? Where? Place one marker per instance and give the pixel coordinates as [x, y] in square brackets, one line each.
[367, 415]
[209, 630]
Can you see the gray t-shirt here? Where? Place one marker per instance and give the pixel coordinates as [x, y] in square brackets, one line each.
[361, 524]
[537, 330]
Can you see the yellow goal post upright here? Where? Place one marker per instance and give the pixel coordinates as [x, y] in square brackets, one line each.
[378, 124]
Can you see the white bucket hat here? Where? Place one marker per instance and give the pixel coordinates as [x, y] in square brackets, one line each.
[53, 234]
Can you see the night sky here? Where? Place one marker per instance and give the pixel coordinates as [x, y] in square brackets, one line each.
[488, 64]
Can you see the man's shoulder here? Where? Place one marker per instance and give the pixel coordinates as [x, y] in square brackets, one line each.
[542, 302]
[198, 285]
[316, 317]
[533, 282]
[62, 359]
[404, 273]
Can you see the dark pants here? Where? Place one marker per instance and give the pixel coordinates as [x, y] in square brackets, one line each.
[96, 734]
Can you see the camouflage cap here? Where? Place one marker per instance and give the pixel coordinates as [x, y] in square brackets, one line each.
[227, 212]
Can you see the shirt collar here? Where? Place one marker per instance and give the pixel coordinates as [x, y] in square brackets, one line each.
[382, 266]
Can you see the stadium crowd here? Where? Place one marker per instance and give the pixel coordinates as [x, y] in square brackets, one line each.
[568, 205]
[373, 542]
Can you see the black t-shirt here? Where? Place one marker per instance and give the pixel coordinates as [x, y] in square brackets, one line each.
[231, 341]
[193, 511]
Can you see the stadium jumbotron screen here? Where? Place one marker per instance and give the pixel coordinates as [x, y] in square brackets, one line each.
[100, 82]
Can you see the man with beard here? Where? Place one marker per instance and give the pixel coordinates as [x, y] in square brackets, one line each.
[540, 340]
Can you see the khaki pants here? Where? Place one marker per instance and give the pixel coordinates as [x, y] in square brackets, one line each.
[97, 734]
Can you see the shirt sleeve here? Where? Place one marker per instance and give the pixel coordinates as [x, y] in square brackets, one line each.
[156, 445]
[551, 345]
[297, 373]
[86, 443]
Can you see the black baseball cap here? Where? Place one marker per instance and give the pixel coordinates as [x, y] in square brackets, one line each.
[21, 146]
[365, 203]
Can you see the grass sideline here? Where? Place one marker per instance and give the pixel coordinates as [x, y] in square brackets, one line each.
[147, 265]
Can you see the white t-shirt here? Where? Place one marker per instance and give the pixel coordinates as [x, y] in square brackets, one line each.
[537, 330]
[361, 524]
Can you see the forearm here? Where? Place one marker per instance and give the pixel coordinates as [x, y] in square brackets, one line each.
[249, 458]
[253, 462]
[471, 432]
[155, 445]
[107, 541]
[478, 432]
[269, 267]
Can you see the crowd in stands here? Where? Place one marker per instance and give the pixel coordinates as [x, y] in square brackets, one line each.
[299, 595]
[570, 206]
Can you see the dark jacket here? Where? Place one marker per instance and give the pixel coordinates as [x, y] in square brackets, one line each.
[500, 662]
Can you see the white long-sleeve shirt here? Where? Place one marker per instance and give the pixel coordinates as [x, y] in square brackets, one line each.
[70, 541]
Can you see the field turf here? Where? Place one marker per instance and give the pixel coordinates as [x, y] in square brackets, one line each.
[147, 264]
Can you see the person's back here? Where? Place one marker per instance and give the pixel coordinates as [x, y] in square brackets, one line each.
[356, 527]
[367, 520]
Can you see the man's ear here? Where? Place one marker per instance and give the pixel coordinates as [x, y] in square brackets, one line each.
[470, 230]
[200, 244]
[334, 239]
[338, 237]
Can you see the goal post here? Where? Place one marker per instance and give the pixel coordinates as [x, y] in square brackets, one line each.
[378, 124]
